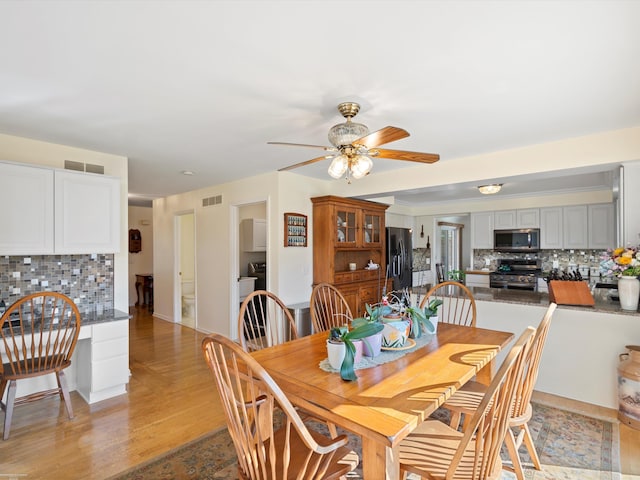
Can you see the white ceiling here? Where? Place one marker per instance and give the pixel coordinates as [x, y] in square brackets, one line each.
[203, 85]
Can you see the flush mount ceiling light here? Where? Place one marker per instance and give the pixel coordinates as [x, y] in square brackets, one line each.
[187, 172]
[490, 189]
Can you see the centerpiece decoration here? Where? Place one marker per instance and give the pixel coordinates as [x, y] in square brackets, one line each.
[624, 263]
[341, 339]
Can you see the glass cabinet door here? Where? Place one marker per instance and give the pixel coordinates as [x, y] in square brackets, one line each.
[346, 226]
[372, 228]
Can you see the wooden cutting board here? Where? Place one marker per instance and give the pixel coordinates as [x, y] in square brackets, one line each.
[570, 293]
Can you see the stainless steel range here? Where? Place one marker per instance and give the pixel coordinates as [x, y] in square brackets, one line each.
[517, 274]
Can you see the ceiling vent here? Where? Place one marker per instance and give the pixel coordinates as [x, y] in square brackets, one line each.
[83, 167]
[215, 200]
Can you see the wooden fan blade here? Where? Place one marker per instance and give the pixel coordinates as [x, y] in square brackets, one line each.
[327, 149]
[302, 164]
[404, 155]
[382, 136]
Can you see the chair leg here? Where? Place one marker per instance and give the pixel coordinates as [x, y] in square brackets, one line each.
[333, 431]
[8, 413]
[62, 383]
[454, 422]
[512, 448]
[528, 441]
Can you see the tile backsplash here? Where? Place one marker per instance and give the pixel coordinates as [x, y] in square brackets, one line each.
[564, 258]
[87, 279]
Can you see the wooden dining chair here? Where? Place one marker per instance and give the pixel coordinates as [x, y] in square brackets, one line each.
[39, 333]
[264, 321]
[328, 308]
[436, 451]
[458, 305]
[270, 443]
[466, 401]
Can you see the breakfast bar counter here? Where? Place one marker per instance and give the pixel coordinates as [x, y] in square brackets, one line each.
[581, 355]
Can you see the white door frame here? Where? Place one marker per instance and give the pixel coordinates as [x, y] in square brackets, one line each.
[177, 283]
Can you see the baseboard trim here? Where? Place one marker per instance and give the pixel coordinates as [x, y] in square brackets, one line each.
[576, 406]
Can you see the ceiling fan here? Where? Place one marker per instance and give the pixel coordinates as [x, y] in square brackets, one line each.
[353, 147]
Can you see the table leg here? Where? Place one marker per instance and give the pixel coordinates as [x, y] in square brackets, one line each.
[486, 373]
[138, 285]
[379, 462]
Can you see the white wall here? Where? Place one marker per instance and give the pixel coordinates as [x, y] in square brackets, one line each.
[217, 249]
[25, 150]
[140, 218]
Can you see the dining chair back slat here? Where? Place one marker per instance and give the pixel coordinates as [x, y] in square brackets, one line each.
[271, 443]
[458, 305]
[264, 321]
[328, 308]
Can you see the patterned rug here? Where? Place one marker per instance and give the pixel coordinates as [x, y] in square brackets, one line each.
[570, 446]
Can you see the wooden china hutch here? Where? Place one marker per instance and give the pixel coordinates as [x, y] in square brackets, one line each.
[346, 232]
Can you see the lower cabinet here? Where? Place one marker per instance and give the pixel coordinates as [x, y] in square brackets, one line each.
[358, 295]
[103, 370]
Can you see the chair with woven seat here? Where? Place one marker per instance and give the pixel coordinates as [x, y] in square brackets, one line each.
[458, 305]
[466, 400]
[39, 333]
[271, 443]
[264, 321]
[436, 451]
[328, 308]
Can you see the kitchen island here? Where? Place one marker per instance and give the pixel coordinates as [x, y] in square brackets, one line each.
[100, 363]
[582, 351]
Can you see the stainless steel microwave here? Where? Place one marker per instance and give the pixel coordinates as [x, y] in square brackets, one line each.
[518, 240]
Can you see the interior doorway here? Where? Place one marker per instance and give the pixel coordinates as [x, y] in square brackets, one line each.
[186, 301]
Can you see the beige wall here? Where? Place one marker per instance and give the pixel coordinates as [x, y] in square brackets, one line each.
[24, 150]
[140, 218]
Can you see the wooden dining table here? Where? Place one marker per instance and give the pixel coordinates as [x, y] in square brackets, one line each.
[387, 401]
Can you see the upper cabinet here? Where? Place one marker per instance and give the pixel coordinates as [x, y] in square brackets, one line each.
[254, 233]
[601, 226]
[27, 218]
[524, 218]
[551, 228]
[58, 211]
[87, 213]
[575, 227]
[578, 226]
[482, 230]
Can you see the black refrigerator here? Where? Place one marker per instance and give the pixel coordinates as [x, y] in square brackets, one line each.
[399, 258]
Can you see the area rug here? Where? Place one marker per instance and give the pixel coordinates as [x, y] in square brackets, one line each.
[570, 446]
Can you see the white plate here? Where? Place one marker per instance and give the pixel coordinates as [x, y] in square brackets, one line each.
[339, 221]
[367, 238]
[340, 236]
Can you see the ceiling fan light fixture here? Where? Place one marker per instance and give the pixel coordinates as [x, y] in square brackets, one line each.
[346, 133]
[490, 189]
[338, 166]
[360, 166]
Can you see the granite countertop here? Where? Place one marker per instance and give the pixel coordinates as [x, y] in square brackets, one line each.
[522, 297]
[93, 318]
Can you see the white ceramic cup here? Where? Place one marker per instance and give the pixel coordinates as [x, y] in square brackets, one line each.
[352, 266]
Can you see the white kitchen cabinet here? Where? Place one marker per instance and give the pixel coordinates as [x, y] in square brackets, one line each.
[26, 194]
[504, 219]
[254, 233]
[575, 227]
[551, 228]
[87, 213]
[107, 354]
[482, 230]
[601, 226]
[523, 218]
[528, 218]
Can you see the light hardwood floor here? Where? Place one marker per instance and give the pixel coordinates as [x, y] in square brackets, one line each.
[171, 400]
